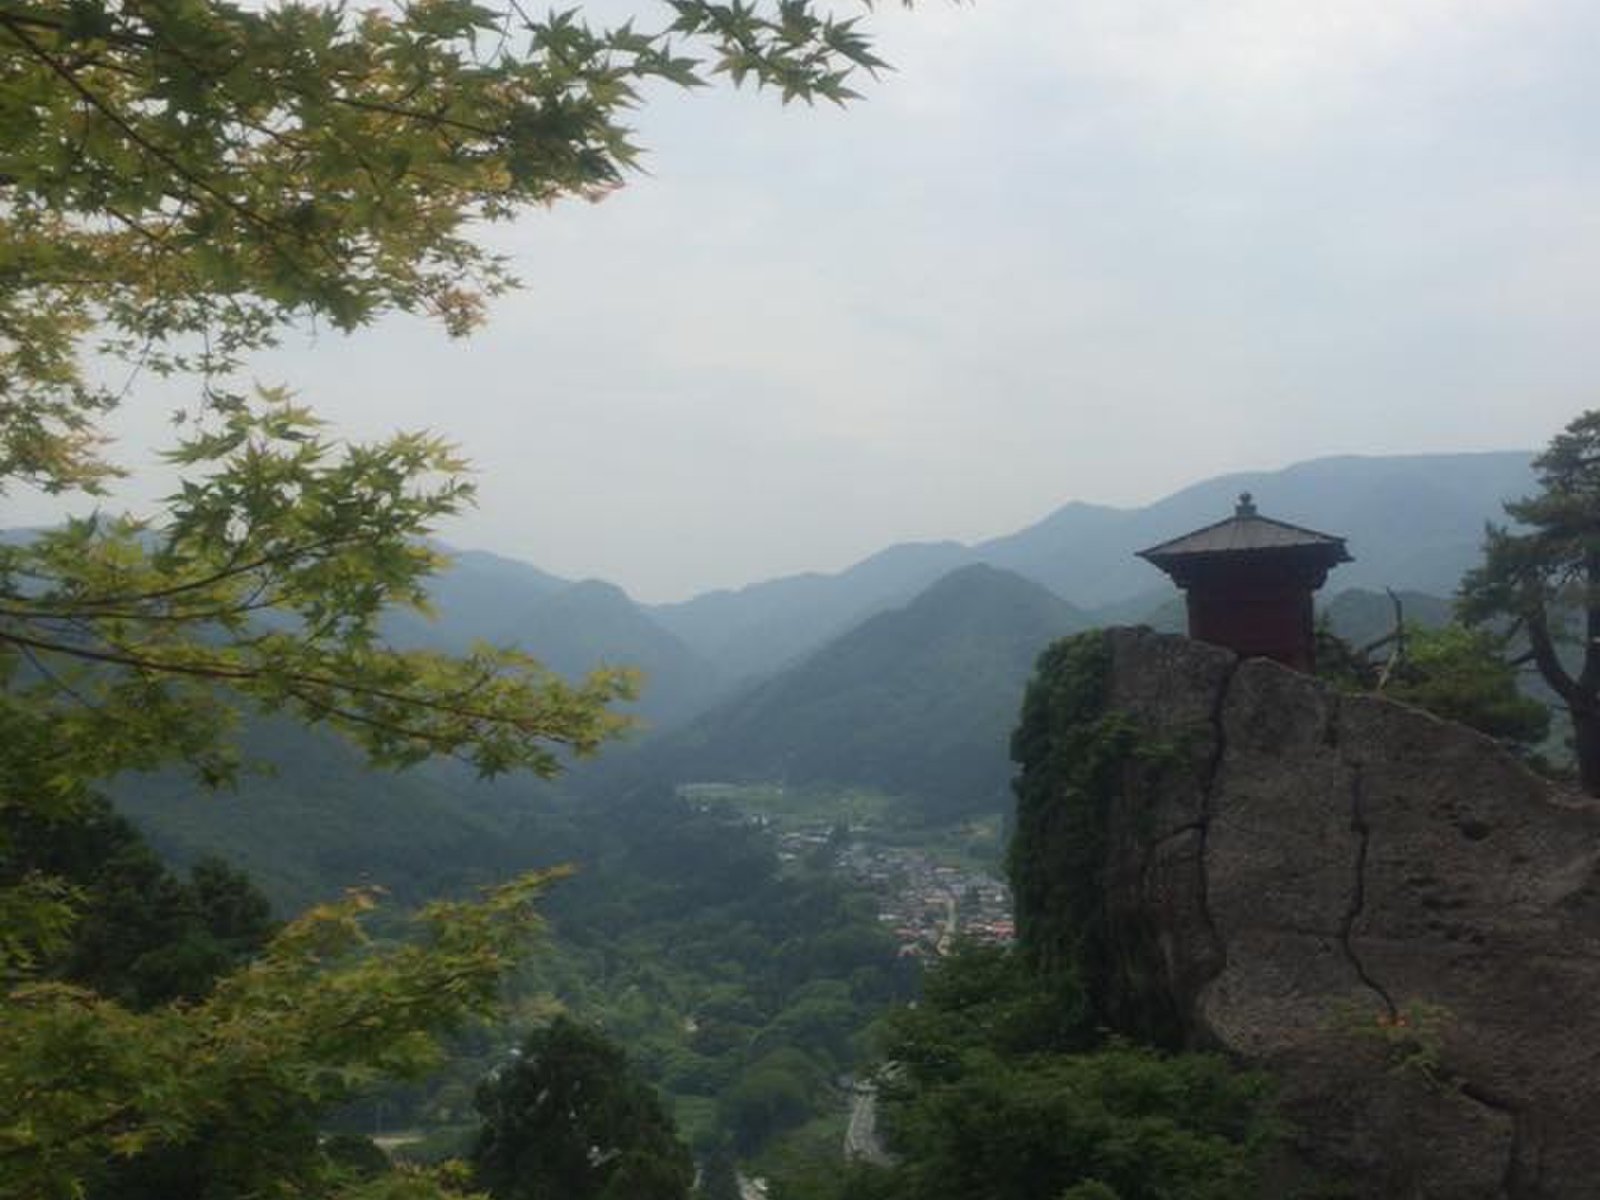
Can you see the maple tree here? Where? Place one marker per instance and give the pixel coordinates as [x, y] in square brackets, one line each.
[182, 182]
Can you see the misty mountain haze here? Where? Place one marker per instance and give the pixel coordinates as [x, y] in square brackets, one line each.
[1413, 522]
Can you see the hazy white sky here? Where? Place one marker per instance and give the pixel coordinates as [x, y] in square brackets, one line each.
[1071, 249]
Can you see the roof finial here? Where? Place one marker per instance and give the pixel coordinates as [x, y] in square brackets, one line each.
[1246, 507]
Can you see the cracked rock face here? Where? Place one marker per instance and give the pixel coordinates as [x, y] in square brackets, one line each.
[1381, 908]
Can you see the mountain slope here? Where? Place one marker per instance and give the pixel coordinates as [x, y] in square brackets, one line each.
[592, 623]
[322, 821]
[756, 629]
[917, 701]
[477, 597]
[570, 627]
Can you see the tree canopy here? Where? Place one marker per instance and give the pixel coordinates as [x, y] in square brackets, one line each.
[140, 935]
[1000, 1086]
[1454, 671]
[98, 1095]
[1540, 581]
[569, 1119]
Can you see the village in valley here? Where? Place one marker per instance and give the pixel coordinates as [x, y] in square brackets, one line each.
[929, 895]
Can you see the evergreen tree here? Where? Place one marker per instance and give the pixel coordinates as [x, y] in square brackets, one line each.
[140, 934]
[569, 1119]
[719, 1178]
[1542, 578]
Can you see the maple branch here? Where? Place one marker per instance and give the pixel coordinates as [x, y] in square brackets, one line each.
[224, 673]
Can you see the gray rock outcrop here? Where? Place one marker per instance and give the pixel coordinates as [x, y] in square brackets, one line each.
[1383, 909]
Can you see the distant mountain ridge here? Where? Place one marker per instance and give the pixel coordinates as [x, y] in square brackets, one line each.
[1413, 522]
[573, 627]
[751, 630]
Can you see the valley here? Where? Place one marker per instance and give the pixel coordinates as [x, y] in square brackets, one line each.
[812, 812]
[933, 885]
[798, 600]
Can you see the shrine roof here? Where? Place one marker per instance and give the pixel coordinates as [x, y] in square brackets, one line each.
[1248, 532]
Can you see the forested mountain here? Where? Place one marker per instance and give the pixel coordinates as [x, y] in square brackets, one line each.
[593, 623]
[571, 627]
[914, 693]
[754, 630]
[317, 820]
[919, 700]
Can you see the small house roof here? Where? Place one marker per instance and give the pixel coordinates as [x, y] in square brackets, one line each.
[1248, 532]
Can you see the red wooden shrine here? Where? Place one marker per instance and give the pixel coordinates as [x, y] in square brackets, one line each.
[1248, 582]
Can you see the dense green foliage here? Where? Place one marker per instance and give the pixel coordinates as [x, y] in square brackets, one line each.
[682, 934]
[1462, 674]
[1001, 1089]
[1074, 759]
[221, 1097]
[568, 1119]
[739, 986]
[140, 935]
[1079, 760]
[1540, 580]
[1060, 840]
[1453, 671]
[993, 998]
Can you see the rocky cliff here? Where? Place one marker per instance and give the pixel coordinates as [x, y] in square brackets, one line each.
[1382, 909]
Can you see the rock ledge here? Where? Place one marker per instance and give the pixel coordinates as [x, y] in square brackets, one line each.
[1383, 909]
